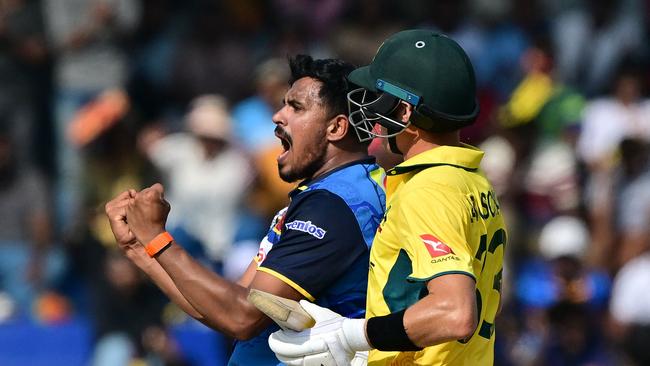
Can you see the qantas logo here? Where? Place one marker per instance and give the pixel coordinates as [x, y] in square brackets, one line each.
[435, 247]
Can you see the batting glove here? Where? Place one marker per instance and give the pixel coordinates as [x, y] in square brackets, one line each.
[360, 359]
[333, 341]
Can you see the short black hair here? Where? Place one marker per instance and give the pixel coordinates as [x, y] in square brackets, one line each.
[332, 73]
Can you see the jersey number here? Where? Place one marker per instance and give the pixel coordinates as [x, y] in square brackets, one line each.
[486, 328]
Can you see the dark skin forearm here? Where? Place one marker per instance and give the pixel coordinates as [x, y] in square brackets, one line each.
[157, 274]
[135, 251]
[222, 303]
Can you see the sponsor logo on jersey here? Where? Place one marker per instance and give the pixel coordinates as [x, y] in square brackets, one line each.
[435, 247]
[306, 227]
[445, 259]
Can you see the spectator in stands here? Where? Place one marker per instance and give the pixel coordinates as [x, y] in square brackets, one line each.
[561, 273]
[212, 58]
[253, 126]
[206, 175]
[573, 338]
[27, 265]
[355, 38]
[548, 287]
[23, 56]
[155, 42]
[318, 16]
[549, 169]
[126, 309]
[86, 38]
[591, 40]
[606, 122]
[630, 309]
[632, 201]
[532, 159]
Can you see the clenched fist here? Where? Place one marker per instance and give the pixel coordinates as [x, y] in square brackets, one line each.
[116, 211]
[146, 214]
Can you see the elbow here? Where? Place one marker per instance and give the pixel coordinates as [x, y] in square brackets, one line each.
[246, 326]
[243, 332]
[464, 325]
[197, 316]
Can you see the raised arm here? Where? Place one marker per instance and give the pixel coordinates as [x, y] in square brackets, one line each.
[221, 304]
[116, 213]
[220, 301]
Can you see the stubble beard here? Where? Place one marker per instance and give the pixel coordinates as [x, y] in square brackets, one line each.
[316, 160]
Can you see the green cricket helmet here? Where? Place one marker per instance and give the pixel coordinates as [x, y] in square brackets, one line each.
[423, 68]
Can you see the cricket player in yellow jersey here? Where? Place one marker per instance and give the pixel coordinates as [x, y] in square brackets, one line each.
[436, 261]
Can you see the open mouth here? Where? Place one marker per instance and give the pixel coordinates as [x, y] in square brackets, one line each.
[286, 145]
[285, 140]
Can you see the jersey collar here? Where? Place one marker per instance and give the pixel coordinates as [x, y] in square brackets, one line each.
[306, 183]
[465, 157]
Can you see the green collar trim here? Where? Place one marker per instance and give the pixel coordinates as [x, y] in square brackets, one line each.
[465, 157]
[409, 168]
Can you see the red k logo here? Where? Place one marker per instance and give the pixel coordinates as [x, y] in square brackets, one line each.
[435, 247]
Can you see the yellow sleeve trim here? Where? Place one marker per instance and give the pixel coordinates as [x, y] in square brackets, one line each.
[286, 280]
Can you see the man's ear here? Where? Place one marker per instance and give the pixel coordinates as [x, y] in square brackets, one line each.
[337, 128]
[403, 112]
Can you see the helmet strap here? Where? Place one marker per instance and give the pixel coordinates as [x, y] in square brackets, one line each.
[394, 131]
[392, 144]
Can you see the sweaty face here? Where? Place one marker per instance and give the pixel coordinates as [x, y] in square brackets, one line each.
[300, 126]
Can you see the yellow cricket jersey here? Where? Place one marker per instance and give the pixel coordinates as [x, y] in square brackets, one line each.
[442, 217]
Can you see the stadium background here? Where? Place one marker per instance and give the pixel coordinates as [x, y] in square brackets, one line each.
[90, 88]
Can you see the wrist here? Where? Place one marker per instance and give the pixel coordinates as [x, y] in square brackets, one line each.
[355, 334]
[159, 243]
[148, 237]
[387, 333]
[138, 256]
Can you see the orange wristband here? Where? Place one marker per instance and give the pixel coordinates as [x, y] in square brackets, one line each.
[160, 242]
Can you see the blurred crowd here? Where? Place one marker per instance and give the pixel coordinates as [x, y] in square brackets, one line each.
[97, 96]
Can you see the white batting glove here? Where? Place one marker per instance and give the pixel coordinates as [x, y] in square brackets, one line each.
[333, 341]
[360, 359]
